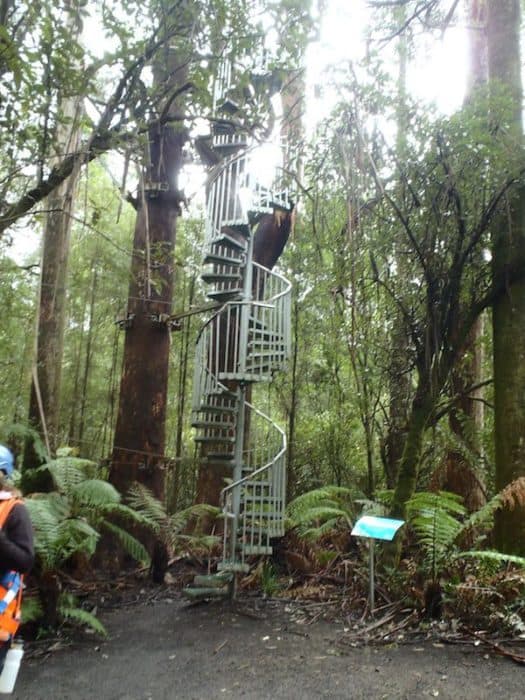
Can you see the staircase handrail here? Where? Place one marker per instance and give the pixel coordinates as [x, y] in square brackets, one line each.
[259, 470]
[286, 282]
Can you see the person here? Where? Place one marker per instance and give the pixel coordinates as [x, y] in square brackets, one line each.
[16, 552]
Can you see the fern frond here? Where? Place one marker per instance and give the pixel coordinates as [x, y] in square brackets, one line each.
[513, 495]
[128, 514]
[313, 498]
[316, 533]
[68, 609]
[197, 542]
[317, 512]
[32, 609]
[181, 519]
[76, 535]
[321, 513]
[68, 472]
[131, 545]
[94, 493]
[141, 498]
[483, 519]
[493, 555]
[435, 519]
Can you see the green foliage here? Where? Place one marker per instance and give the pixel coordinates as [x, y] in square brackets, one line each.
[494, 556]
[69, 611]
[269, 581]
[32, 609]
[180, 530]
[435, 517]
[316, 513]
[69, 520]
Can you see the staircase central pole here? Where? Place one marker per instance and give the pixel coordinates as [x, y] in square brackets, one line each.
[238, 464]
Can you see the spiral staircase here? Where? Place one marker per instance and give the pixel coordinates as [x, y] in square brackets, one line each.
[246, 340]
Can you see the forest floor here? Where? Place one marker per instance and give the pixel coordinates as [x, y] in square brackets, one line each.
[160, 647]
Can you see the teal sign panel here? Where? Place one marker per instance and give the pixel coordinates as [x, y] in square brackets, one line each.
[376, 528]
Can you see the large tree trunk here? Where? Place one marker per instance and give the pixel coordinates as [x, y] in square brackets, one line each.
[44, 404]
[420, 414]
[138, 451]
[399, 377]
[457, 473]
[503, 28]
[140, 431]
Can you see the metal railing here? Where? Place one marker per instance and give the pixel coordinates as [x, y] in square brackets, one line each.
[263, 491]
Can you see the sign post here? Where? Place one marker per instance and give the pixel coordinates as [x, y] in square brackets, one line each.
[375, 528]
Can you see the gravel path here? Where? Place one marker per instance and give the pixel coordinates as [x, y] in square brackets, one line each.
[171, 650]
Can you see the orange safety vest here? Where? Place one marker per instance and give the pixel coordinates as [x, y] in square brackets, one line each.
[10, 586]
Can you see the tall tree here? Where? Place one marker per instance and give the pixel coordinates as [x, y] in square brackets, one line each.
[460, 472]
[508, 252]
[44, 404]
[139, 441]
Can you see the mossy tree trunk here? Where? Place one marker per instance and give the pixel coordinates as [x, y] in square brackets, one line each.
[503, 31]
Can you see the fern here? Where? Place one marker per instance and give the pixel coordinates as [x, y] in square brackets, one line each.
[32, 609]
[94, 493]
[435, 519]
[492, 555]
[69, 610]
[131, 545]
[315, 513]
[170, 528]
[68, 472]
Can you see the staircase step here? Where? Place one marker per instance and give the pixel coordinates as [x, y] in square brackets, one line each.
[217, 277]
[228, 106]
[229, 242]
[263, 354]
[255, 484]
[215, 457]
[250, 550]
[218, 580]
[215, 438]
[205, 593]
[233, 228]
[234, 566]
[212, 408]
[267, 344]
[220, 425]
[225, 294]
[216, 259]
[223, 128]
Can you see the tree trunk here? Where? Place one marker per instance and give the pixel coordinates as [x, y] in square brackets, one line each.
[294, 401]
[52, 310]
[399, 378]
[458, 474]
[138, 450]
[503, 30]
[421, 411]
[89, 343]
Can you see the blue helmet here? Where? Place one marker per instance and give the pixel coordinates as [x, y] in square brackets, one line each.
[7, 461]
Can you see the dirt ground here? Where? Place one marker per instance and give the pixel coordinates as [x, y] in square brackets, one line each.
[164, 648]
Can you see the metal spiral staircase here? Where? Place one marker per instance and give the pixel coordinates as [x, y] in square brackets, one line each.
[246, 340]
